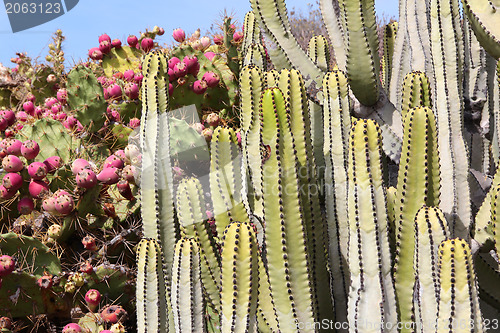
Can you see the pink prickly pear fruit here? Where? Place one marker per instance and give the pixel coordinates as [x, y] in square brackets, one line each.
[9, 115]
[12, 181]
[132, 40]
[170, 89]
[104, 37]
[37, 170]
[199, 87]
[160, 32]
[213, 119]
[89, 243]
[209, 55]
[128, 173]
[50, 101]
[64, 204]
[60, 192]
[172, 62]
[78, 165]
[147, 44]
[134, 122]
[38, 112]
[51, 78]
[87, 268]
[120, 153]
[72, 328]
[113, 161]
[198, 127]
[49, 204]
[138, 78]
[211, 78]
[25, 206]
[95, 53]
[70, 122]
[132, 90]
[238, 137]
[92, 298]
[114, 116]
[56, 108]
[30, 97]
[115, 91]
[86, 178]
[7, 265]
[237, 36]
[171, 75]
[180, 69]
[109, 176]
[62, 96]
[4, 123]
[193, 66]
[6, 194]
[22, 116]
[116, 43]
[128, 75]
[113, 314]
[105, 47]
[30, 149]
[125, 190]
[38, 188]
[52, 163]
[29, 107]
[61, 116]
[205, 42]
[12, 163]
[207, 133]
[218, 39]
[13, 147]
[179, 35]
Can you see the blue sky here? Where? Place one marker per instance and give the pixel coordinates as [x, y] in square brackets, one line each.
[120, 18]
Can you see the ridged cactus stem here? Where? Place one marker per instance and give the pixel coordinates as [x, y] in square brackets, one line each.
[447, 51]
[285, 232]
[372, 303]
[187, 293]
[458, 309]
[319, 52]
[239, 279]
[225, 179]
[191, 213]
[430, 230]
[157, 207]
[416, 92]
[495, 217]
[154, 311]
[418, 185]
[390, 31]
[337, 127]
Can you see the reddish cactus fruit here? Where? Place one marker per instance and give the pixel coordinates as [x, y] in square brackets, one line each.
[30, 149]
[53, 163]
[128, 173]
[105, 47]
[170, 89]
[45, 282]
[13, 146]
[86, 268]
[131, 90]
[62, 96]
[213, 119]
[12, 163]
[172, 62]
[38, 189]
[134, 122]
[125, 190]
[92, 298]
[132, 40]
[128, 75]
[89, 243]
[211, 78]
[147, 44]
[199, 87]
[113, 161]
[218, 39]
[72, 328]
[95, 53]
[114, 91]
[37, 170]
[86, 178]
[12, 181]
[104, 37]
[207, 133]
[113, 314]
[29, 107]
[9, 115]
[179, 35]
[109, 176]
[78, 165]
[116, 43]
[49, 205]
[237, 36]
[6, 194]
[64, 204]
[7, 265]
[25, 206]
[5, 322]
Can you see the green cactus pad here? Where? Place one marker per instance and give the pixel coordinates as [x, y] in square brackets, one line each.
[120, 60]
[86, 96]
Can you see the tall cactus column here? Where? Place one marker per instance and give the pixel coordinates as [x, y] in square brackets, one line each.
[372, 303]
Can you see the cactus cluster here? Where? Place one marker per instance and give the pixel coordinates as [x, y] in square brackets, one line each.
[241, 184]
